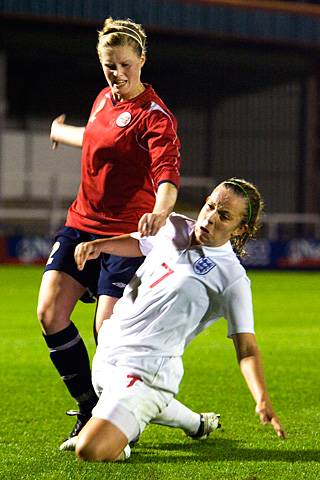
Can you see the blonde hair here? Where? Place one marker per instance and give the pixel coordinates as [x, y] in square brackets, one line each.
[252, 216]
[116, 33]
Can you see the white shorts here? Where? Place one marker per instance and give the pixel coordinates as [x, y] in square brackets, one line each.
[131, 395]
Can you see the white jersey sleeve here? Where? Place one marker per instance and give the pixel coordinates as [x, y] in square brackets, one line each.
[146, 244]
[177, 228]
[237, 307]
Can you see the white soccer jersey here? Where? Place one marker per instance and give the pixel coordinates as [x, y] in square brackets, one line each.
[177, 292]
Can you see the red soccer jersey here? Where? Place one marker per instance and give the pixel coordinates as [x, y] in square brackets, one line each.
[128, 148]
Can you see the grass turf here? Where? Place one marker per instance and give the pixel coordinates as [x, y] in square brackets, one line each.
[33, 399]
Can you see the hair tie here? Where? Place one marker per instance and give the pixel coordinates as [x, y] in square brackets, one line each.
[233, 182]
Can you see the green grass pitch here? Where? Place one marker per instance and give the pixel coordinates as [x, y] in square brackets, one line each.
[33, 399]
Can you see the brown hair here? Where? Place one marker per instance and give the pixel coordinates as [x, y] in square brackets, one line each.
[116, 33]
[252, 217]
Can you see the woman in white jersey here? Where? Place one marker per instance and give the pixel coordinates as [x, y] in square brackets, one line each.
[191, 277]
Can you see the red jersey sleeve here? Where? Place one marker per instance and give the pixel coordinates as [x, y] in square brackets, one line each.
[163, 145]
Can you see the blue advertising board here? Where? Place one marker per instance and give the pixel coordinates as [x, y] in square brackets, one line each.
[298, 253]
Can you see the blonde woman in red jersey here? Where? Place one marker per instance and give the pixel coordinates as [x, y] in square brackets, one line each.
[129, 181]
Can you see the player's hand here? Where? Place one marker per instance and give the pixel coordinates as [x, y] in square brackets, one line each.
[150, 223]
[267, 415]
[85, 251]
[54, 130]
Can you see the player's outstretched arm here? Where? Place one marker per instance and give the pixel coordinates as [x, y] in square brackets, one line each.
[66, 134]
[124, 246]
[150, 223]
[251, 367]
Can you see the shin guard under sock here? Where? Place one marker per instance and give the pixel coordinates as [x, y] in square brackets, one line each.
[69, 355]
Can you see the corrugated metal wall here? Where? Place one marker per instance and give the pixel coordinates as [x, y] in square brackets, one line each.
[258, 135]
[255, 136]
[275, 25]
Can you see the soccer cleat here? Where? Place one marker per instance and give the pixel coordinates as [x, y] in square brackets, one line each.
[69, 445]
[208, 423]
[134, 441]
[70, 442]
[126, 453]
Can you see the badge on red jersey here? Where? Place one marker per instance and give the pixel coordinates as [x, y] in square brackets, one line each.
[124, 119]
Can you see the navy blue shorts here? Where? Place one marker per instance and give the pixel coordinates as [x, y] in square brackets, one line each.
[106, 275]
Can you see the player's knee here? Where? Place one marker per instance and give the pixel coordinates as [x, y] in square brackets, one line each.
[84, 451]
[42, 312]
[51, 319]
[45, 312]
[90, 452]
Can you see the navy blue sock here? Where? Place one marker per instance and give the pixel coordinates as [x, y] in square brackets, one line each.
[70, 357]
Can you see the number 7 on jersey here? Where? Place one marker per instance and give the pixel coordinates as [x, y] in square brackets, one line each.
[168, 271]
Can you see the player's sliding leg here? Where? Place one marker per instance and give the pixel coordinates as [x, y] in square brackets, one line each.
[197, 426]
[102, 441]
[58, 295]
[106, 435]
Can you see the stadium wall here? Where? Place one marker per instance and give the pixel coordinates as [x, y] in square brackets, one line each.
[254, 19]
[244, 106]
[295, 254]
[256, 136]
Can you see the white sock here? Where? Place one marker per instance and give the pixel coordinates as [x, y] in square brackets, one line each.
[179, 416]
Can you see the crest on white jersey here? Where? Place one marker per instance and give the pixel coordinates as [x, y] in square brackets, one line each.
[203, 265]
[124, 119]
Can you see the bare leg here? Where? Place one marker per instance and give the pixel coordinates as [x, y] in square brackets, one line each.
[104, 310]
[100, 440]
[58, 295]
